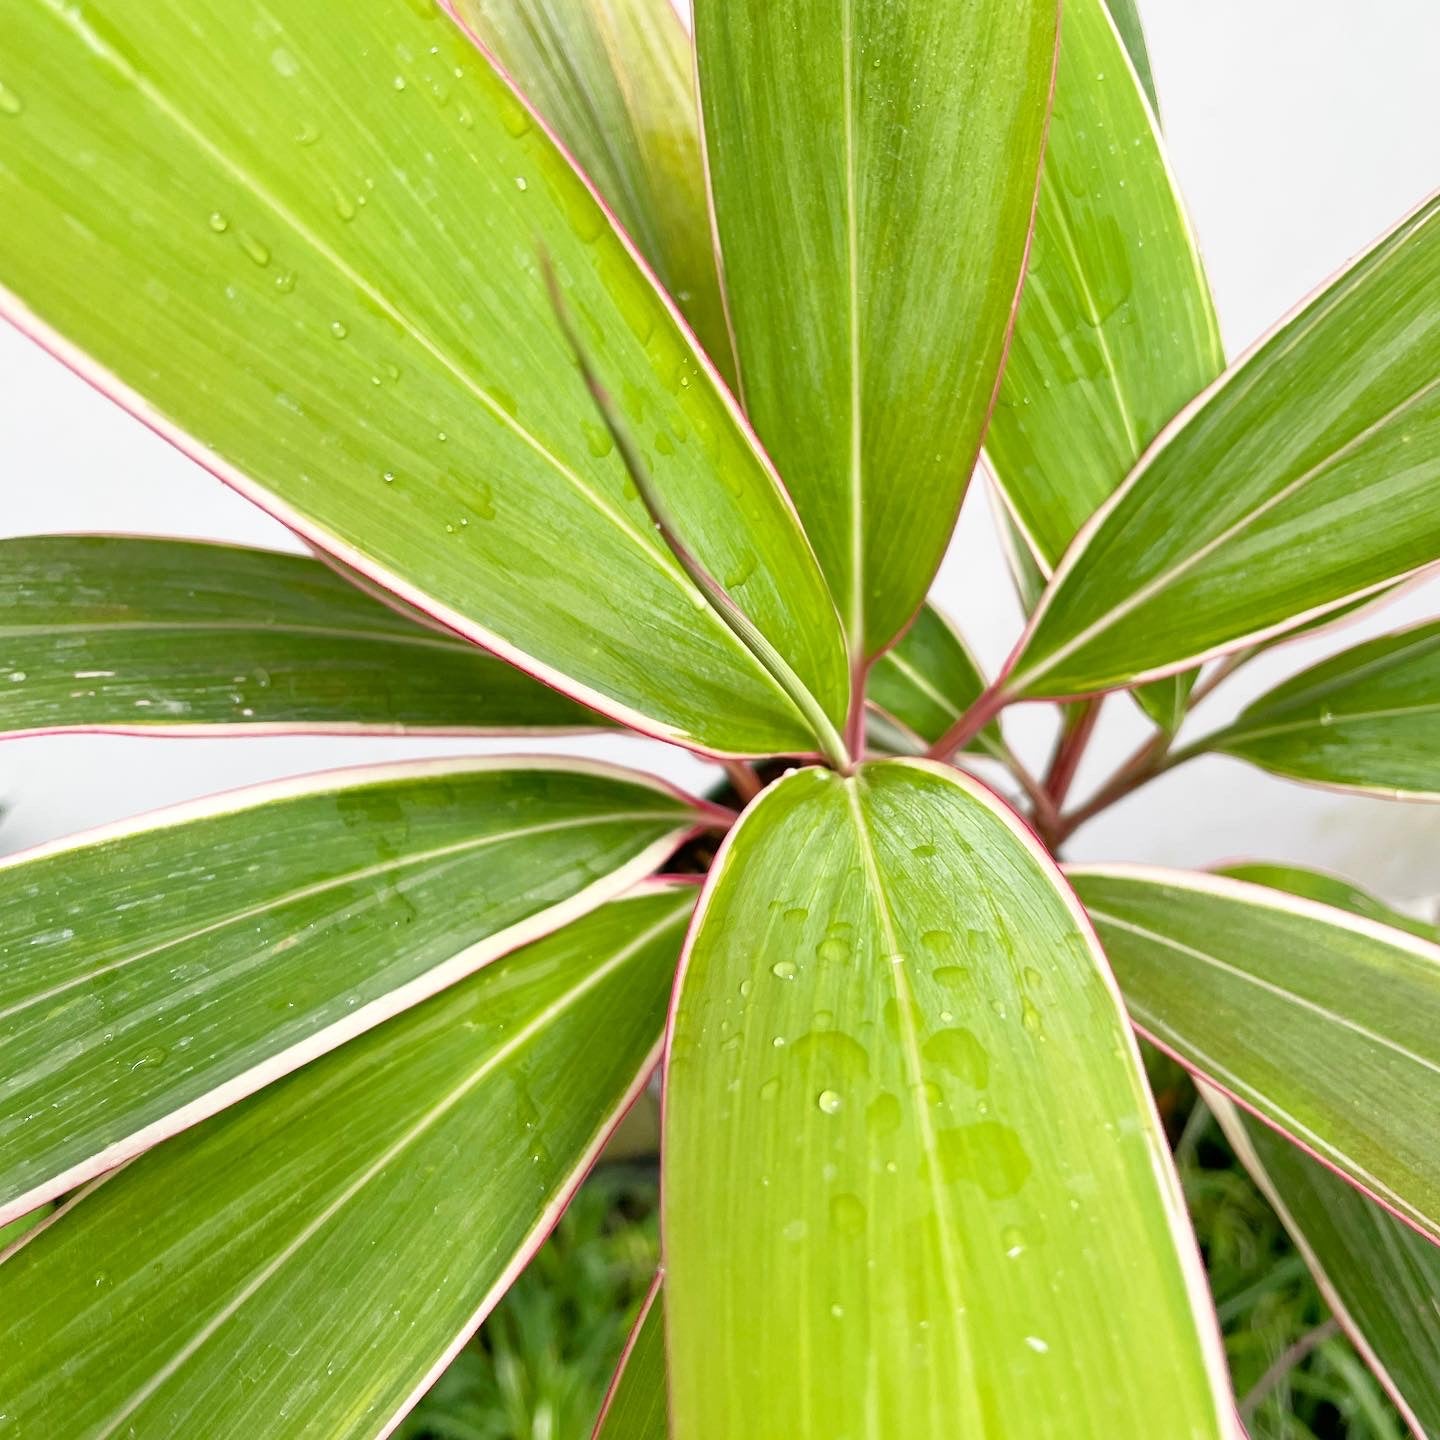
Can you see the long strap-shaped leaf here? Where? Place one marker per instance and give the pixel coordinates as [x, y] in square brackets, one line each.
[1367, 719]
[304, 245]
[155, 971]
[635, 1407]
[616, 79]
[1380, 1279]
[873, 168]
[1329, 889]
[1304, 478]
[307, 1262]
[914, 1184]
[149, 636]
[1325, 1025]
[1116, 328]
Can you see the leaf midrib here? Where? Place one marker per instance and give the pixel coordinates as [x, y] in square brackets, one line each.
[856, 495]
[910, 1053]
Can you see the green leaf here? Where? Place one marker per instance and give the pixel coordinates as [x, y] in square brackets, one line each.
[635, 1407]
[616, 79]
[1318, 1021]
[155, 971]
[1165, 701]
[911, 1169]
[1329, 890]
[1116, 328]
[1303, 479]
[148, 636]
[928, 679]
[873, 172]
[1367, 719]
[335, 279]
[1380, 1278]
[308, 1261]
[1127, 21]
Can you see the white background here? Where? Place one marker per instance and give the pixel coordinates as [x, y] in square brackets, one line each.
[1300, 129]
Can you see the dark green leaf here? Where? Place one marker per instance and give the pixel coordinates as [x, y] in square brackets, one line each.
[1303, 479]
[873, 169]
[308, 1261]
[147, 636]
[155, 971]
[1367, 719]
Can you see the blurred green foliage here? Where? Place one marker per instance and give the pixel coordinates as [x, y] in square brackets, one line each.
[539, 1367]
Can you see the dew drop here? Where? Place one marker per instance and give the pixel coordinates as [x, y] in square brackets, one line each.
[388, 477]
[835, 949]
[960, 1054]
[285, 282]
[797, 913]
[1013, 1239]
[988, 1154]
[218, 223]
[597, 439]
[521, 183]
[10, 102]
[746, 986]
[398, 82]
[258, 252]
[770, 1089]
[829, 1101]
[847, 1214]
[937, 941]
[883, 1114]
[338, 329]
[149, 1058]
[952, 977]
[784, 969]
[1037, 1344]
[514, 116]
[1030, 1016]
[741, 571]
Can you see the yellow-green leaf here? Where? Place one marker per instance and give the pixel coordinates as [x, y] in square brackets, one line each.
[914, 1184]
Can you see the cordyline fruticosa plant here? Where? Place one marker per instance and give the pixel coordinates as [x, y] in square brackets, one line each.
[316, 1065]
